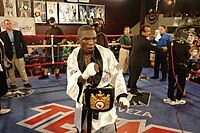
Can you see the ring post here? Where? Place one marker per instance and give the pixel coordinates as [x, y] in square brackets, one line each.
[52, 48]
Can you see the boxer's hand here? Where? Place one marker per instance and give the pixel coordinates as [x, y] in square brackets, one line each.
[90, 70]
[124, 103]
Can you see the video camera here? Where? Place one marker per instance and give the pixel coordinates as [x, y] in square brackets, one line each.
[185, 36]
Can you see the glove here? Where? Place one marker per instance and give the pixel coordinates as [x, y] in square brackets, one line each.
[124, 102]
[89, 71]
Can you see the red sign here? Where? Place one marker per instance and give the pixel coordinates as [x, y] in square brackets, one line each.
[56, 118]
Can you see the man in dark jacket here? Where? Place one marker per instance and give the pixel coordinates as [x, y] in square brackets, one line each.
[101, 37]
[15, 49]
[140, 56]
[178, 68]
[3, 83]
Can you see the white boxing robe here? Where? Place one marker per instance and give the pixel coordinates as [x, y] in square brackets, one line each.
[111, 74]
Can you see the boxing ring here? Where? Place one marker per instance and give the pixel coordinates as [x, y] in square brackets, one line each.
[37, 61]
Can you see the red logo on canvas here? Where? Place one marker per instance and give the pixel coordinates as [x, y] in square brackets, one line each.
[56, 118]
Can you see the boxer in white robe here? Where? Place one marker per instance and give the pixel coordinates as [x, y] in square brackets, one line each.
[86, 62]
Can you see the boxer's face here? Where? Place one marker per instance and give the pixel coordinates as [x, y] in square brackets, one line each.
[87, 41]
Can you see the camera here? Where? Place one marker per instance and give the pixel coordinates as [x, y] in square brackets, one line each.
[186, 36]
[183, 34]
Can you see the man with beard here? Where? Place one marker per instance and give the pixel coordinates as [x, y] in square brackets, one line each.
[140, 56]
[93, 65]
[53, 30]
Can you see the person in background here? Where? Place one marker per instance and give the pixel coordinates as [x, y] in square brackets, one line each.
[53, 30]
[92, 64]
[161, 40]
[178, 68]
[3, 83]
[101, 37]
[140, 56]
[125, 42]
[15, 50]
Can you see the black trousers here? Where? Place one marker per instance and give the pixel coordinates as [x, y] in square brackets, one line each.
[160, 60]
[3, 84]
[180, 72]
[134, 75]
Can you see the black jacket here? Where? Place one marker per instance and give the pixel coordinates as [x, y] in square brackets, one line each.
[180, 52]
[19, 44]
[3, 83]
[140, 54]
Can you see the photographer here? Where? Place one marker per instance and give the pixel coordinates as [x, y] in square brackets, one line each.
[178, 56]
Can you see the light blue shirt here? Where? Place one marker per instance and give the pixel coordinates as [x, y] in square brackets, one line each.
[11, 36]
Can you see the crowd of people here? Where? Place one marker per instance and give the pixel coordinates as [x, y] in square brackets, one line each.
[93, 69]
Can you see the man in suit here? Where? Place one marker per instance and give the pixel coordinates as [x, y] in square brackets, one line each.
[15, 49]
[140, 56]
[3, 83]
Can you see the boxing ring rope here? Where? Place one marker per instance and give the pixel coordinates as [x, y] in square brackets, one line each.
[52, 46]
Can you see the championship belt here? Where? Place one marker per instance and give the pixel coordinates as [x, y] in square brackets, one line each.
[99, 99]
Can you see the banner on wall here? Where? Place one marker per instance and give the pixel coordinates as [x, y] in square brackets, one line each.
[10, 8]
[25, 25]
[152, 18]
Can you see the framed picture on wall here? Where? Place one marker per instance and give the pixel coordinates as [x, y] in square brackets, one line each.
[24, 8]
[39, 10]
[91, 11]
[63, 13]
[68, 13]
[72, 0]
[100, 12]
[10, 8]
[52, 10]
[84, 1]
[83, 13]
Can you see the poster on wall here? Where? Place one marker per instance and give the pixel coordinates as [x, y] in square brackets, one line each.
[39, 10]
[24, 8]
[84, 1]
[63, 13]
[10, 8]
[100, 12]
[91, 11]
[72, 0]
[83, 14]
[68, 13]
[52, 10]
[25, 25]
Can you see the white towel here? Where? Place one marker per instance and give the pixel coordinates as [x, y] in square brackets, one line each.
[158, 36]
